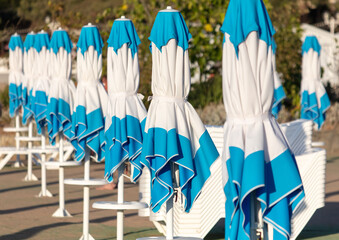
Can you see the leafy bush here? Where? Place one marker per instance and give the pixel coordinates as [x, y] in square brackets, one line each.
[4, 98]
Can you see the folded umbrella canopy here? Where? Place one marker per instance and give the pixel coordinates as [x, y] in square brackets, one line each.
[91, 98]
[174, 134]
[314, 99]
[258, 165]
[41, 87]
[279, 93]
[126, 114]
[29, 76]
[15, 78]
[61, 89]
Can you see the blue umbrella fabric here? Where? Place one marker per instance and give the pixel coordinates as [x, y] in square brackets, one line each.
[174, 134]
[41, 87]
[126, 114]
[29, 77]
[15, 78]
[256, 157]
[279, 93]
[88, 120]
[314, 99]
[61, 90]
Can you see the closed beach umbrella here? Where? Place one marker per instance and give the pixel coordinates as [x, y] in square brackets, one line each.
[279, 93]
[175, 138]
[258, 166]
[15, 78]
[314, 99]
[61, 90]
[29, 76]
[125, 119]
[91, 97]
[41, 87]
[60, 102]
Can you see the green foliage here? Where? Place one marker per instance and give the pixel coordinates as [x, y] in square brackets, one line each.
[4, 97]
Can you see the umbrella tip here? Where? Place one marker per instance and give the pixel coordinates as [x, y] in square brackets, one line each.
[59, 28]
[169, 7]
[123, 17]
[32, 32]
[89, 24]
[42, 31]
[16, 34]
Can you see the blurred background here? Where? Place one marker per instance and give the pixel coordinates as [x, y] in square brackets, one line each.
[292, 19]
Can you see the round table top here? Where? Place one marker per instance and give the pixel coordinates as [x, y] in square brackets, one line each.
[63, 164]
[83, 182]
[119, 206]
[14, 129]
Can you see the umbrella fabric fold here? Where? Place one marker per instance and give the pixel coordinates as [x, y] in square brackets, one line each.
[91, 98]
[29, 77]
[279, 93]
[314, 99]
[174, 136]
[15, 77]
[41, 87]
[61, 89]
[126, 114]
[256, 157]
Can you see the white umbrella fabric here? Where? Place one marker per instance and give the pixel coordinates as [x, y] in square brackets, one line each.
[29, 77]
[15, 77]
[258, 165]
[314, 99]
[41, 87]
[279, 93]
[174, 136]
[126, 114]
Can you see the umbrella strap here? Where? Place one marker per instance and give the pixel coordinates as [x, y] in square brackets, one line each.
[167, 99]
[249, 119]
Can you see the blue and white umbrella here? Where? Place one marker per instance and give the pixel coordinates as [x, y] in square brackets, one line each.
[41, 87]
[29, 77]
[88, 121]
[16, 50]
[126, 114]
[61, 89]
[257, 161]
[279, 93]
[314, 99]
[174, 134]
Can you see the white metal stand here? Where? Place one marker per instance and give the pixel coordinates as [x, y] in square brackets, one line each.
[44, 192]
[61, 211]
[86, 182]
[120, 205]
[30, 176]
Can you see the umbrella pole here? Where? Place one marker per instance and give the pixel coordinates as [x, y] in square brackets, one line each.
[30, 176]
[61, 212]
[120, 212]
[17, 163]
[44, 192]
[85, 231]
[169, 219]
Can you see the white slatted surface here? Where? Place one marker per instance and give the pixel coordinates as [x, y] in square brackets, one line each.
[210, 206]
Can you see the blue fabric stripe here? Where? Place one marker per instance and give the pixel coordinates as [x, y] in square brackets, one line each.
[90, 36]
[167, 26]
[59, 119]
[15, 98]
[311, 42]
[29, 41]
[160, 148]
[245, 16]
[89, 131]
[310, 109]
[60, 39]
[14, 42]
[279, 95]
[276, 184]
[40, 109]
[41, 40]
[124, 142]
[123, 32]
[28, 102]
